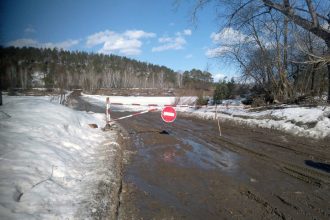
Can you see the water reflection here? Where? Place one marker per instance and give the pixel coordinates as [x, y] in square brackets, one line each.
[204, 156]
[169, 155]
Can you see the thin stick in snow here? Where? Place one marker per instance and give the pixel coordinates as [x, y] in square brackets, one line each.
[42, 181]
[215, 112]
[219, 127]
[215, 117]
[49, 178]
[7, 115]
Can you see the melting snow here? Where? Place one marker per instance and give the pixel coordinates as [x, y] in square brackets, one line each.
[49, 159]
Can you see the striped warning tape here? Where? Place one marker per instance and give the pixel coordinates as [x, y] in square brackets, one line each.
[135, 114]
[108, 103]
[183, 106]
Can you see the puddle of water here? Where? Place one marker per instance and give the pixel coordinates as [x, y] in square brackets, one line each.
[210, 159]
[192, 151]
[153, 190]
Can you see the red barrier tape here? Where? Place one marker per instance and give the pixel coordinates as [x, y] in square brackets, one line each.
[135, 114]
[184, 106]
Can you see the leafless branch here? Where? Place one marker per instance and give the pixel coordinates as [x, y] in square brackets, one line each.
[318, 15]
[199, 6]
[302, 22]
[312, 57]
[253, 17]
[239, 9]
[313, 14]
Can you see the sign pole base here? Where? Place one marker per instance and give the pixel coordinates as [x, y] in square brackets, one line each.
[165, 129]
[107, 127]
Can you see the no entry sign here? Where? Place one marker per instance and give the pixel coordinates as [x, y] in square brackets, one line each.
[168, 114]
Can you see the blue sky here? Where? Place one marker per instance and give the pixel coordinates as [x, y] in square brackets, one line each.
[154, 31]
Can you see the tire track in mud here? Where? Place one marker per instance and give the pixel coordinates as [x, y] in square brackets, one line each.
[292, 169]
[269, 208]
[300, 172]
[259, 186]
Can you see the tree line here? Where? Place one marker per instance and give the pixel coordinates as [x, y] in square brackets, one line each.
[53, 68]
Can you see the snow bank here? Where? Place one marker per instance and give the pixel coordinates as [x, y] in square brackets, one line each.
[302, 121]
[48, 158]
[311, 122]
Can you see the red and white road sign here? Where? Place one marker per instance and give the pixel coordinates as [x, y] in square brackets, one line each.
[168, 114]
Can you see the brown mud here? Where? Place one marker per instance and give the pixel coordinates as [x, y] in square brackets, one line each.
[185, 170]
[190, 172]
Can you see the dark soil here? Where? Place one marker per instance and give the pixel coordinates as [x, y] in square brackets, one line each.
[185, 170]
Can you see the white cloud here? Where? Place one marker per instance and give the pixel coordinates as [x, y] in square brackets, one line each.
[65, 44]
[176, 43]
[172, 43]
[99, 38]
[229, 39]
[136, 34]
[124, 46]
[127, 43]
[25, 42]
[187, 32]
[218, 76]
[218, 51]
[29, 30]
[188, 56]
[229, 36]
[165, 39]
[226, 41]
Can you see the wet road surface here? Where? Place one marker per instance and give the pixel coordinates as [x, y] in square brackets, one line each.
[190, 172]
[193, 173]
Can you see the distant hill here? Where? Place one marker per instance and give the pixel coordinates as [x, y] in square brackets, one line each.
[52, 68]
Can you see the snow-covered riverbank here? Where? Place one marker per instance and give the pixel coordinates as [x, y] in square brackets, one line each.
[51, 160]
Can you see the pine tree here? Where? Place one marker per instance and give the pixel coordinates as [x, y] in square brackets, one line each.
[221, 92]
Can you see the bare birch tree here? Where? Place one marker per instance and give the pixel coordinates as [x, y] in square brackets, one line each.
[311, 16]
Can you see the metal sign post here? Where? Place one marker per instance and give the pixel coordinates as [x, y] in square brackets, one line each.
[168, 115]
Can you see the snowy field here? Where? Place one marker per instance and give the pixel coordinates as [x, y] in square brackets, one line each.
[311, 122]
[51, 161]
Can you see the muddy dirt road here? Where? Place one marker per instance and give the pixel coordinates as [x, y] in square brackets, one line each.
[190, 172]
